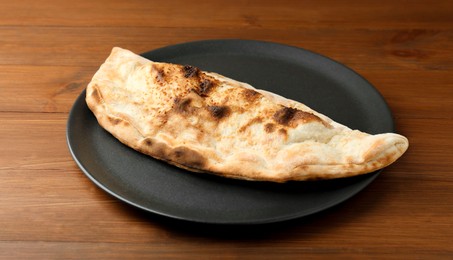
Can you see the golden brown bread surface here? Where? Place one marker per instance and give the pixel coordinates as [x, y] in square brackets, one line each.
[205, 122]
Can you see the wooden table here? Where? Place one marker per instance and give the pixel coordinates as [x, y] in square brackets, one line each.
[50, 49]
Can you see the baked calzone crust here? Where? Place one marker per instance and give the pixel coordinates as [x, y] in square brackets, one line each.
[205, 122]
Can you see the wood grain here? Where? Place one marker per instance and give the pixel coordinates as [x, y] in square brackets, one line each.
[50, 49]
[387, 49]
[220, 14]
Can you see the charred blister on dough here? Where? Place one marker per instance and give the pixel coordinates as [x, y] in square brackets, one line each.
[159, 150]
[269, 128]
[205, 86]
[187, 157]
[113, 120]
[251, 95]
[116, 120]
[219, 112]
[284, 115]
[289, 116]
[148, 142]
[182, 105]
[190, 71]
[283, 132]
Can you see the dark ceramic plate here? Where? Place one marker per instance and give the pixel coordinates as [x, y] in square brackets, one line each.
[154, 186]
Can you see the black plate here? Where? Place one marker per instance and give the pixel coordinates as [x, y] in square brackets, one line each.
[155, 186]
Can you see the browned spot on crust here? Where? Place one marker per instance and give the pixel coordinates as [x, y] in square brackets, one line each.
[285, 115]
[251, 95]
[219, 112]
[160, 73]
[187, 157]
[96, 95]
[159, 150]
[373, 151]
[162, 119]
[302, 167]
[205, 87]
[283, 132]
[349, 159]
[160, 76]
[269, 128]
[289, 116]
[114, 120]
[148, 142]
[190, 71]
[200, 135]
[183, 105]
[255, 120]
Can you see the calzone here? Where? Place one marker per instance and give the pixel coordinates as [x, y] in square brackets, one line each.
[205, 122]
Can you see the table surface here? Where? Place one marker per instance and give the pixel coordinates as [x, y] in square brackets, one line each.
[50, 49]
